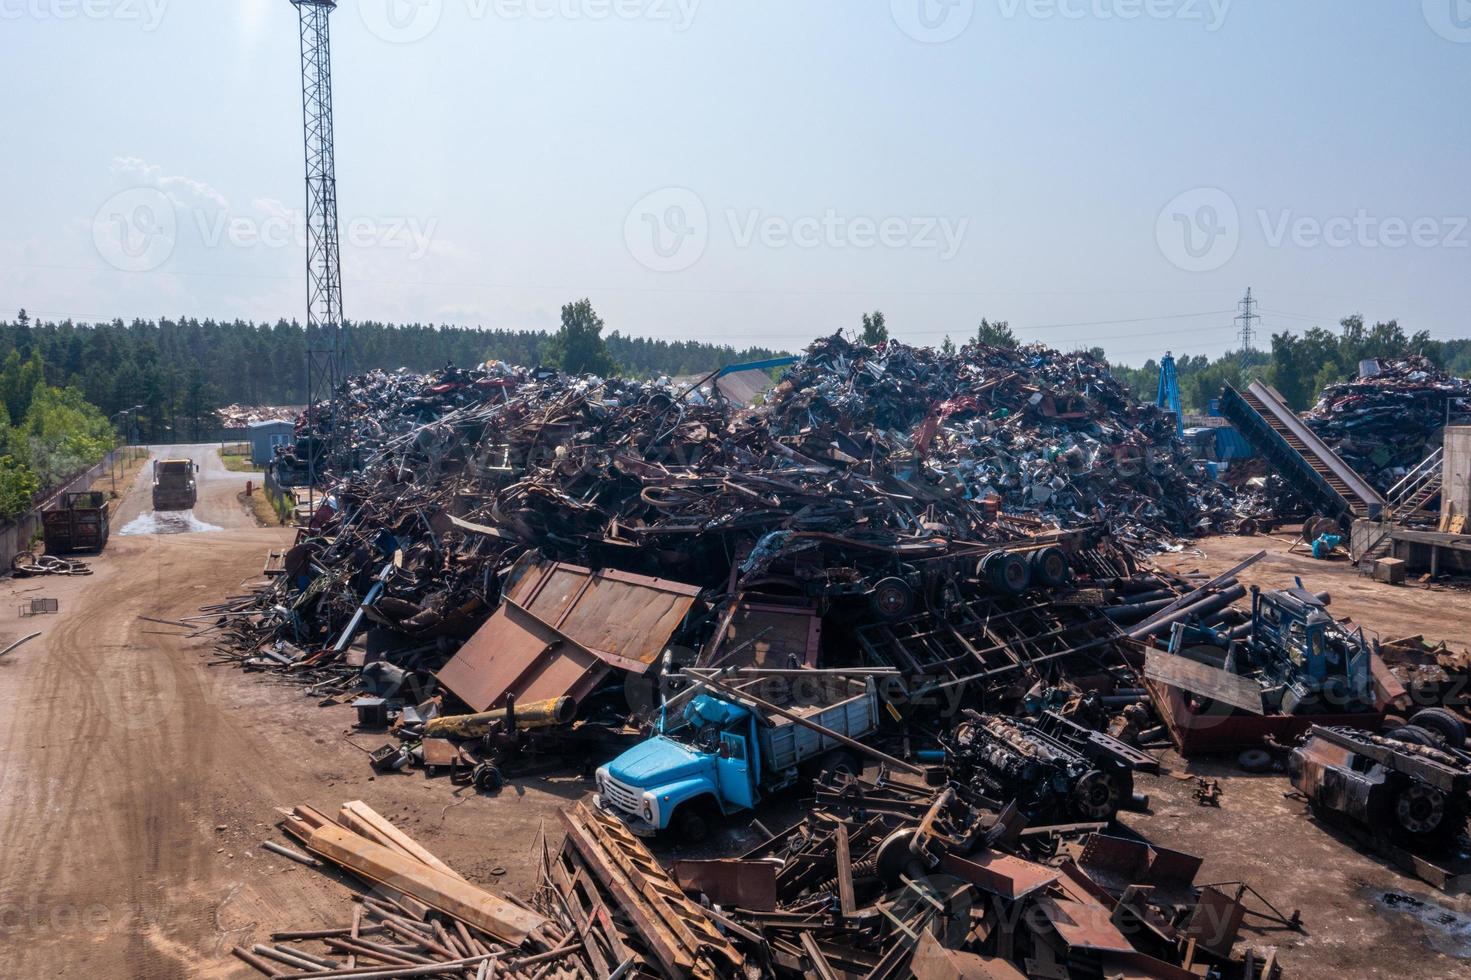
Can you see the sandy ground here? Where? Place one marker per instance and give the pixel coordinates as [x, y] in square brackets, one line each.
[138, 783]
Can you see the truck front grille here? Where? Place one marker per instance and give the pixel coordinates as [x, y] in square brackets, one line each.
[623, 797]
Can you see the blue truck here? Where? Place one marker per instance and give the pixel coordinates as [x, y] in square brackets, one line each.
[721, 756]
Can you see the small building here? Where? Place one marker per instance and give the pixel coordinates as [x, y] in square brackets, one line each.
[266, 436]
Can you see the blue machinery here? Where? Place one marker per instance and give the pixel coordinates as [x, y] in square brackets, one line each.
[1168, 394]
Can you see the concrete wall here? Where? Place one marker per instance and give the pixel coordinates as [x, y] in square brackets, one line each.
[1455, 498]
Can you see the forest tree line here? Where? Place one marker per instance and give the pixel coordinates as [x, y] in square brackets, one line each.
[180, 371]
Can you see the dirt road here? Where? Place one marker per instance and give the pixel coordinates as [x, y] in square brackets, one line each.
[138, 783]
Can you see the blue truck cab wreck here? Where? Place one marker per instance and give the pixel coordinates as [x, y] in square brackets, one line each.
[723, 757]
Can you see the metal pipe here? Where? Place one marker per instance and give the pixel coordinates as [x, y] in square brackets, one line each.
[1202, 608]
[535, 714]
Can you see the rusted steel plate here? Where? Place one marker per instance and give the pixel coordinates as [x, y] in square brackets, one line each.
[612, 614]
[559, 630]
[934, 962]
[731, 881]
[1081, 920]
[516, 653]
[1000, 874]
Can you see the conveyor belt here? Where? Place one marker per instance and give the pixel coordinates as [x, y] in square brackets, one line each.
[1266, 421]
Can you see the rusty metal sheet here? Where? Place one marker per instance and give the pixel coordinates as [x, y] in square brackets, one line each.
[1000, 874]
[934, 962]
[731, 881]
[1081, 920]
[616, 615]
[1216, 921]
[765, 635]
[516, 653]
[1240, 692]
[1138, 966]
[559, 631]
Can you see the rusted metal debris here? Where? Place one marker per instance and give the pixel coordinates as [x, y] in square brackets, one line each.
[886, 878]
[502, 535]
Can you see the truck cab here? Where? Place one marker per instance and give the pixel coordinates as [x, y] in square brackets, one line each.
[721, 757]
[173, 484]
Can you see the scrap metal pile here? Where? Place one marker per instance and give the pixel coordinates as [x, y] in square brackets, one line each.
[871, 483]
[889, 879]
[1384, 424]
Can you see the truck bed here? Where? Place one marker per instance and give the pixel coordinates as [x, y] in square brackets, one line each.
[843, 704]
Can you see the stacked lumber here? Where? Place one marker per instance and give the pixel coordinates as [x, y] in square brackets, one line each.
[420, 918]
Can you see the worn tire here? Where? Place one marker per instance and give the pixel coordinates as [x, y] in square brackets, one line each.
[1441, 722]
[1050, 567]
[1416, 735]
[1255, 760]
[1008, 573]
[893, 598]
[691, 824]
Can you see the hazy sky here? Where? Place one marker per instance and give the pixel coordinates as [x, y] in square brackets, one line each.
[1111, 172]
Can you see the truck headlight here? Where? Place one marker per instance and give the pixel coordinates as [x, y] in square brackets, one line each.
[601, 776]
[650, 808]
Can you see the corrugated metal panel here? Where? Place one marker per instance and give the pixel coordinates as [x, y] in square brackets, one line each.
[559, 631]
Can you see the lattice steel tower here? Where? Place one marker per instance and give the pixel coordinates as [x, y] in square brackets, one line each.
[1247, 318]
[326, 355]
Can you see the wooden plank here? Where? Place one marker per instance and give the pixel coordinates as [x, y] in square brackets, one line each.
[362, 819]
[449, 894]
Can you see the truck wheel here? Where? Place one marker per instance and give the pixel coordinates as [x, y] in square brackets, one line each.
[1050, 567]
[690, 824]
[839, 761]
[1441, 722]
[1420, 809]
[1255, 760]
[893, 598]
[1009, 573]
[1416, 735]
